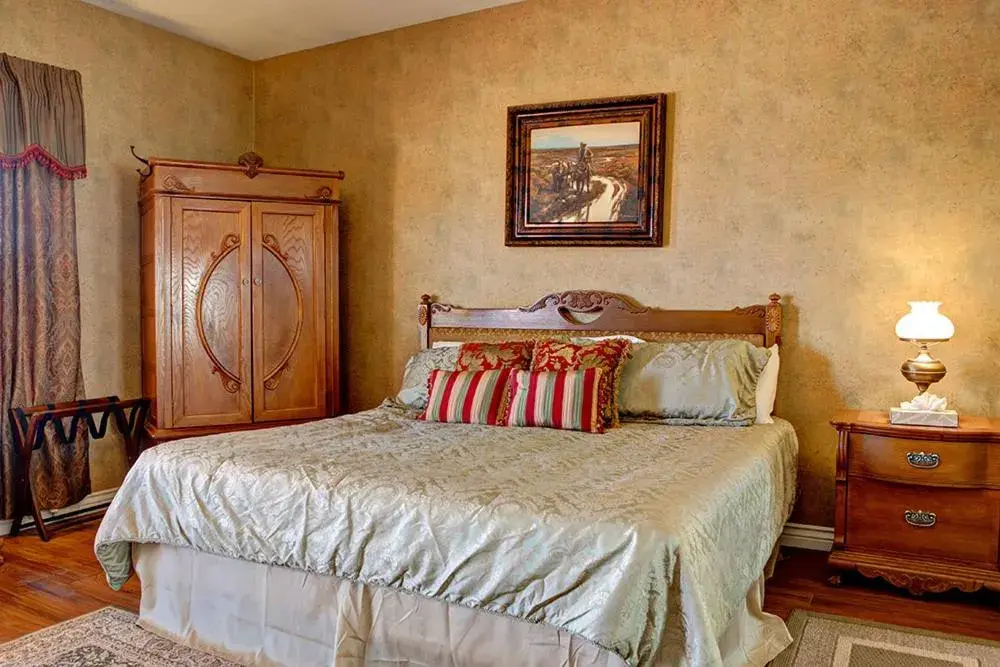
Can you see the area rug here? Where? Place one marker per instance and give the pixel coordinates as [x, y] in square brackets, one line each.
[106, 638]
[835, 641]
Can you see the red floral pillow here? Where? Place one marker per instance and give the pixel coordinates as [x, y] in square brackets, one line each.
[494, 356]
[608, 355]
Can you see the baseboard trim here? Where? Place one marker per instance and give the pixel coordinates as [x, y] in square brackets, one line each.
[92, 502]
[805, 536]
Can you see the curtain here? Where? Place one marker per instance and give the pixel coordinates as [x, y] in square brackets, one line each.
[41, 153]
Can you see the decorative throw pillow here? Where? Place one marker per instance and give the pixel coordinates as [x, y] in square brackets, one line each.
[413, 393]
[711, 382]
[558, 399]
[491, 356]
[608, 355]
[467, 397]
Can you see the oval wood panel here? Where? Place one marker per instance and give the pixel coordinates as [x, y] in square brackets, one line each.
[217, 294]
[210, 308]
[288, 312]
[273, 375]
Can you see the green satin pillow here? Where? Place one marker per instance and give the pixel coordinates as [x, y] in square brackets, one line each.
[414, 392]
[710, 382]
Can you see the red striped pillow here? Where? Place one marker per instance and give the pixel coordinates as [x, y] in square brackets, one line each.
[567, 400]
[467, 397]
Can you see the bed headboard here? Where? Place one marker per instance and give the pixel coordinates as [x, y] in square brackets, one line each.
[596, 313]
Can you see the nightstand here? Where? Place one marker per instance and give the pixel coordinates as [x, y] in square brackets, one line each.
[918, 506]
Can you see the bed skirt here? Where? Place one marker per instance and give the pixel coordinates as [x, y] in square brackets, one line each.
[265, 615]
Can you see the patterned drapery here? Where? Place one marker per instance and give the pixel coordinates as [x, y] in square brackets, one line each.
[41, 152]
[41, 117]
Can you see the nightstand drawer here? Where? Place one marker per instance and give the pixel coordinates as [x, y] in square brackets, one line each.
[948, 523]
[921, 461]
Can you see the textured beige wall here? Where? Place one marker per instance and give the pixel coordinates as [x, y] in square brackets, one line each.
[168, 96]
[843, 153]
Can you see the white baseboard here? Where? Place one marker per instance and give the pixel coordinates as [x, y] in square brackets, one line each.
[93, 501]
[805, 536]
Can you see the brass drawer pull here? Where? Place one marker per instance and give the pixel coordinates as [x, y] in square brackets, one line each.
[920, 518]
[923, 460]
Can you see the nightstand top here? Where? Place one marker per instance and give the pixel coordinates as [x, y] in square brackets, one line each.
[970, 427]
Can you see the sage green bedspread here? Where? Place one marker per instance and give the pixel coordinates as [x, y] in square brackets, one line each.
[612, 537]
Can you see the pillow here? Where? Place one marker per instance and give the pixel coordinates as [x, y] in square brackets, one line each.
[597, 339]
[568, 400]
[491, 356]
[767, 387]
[413, 393]
[712, 382]
[608, 355]
[467, 397]
[447, 343]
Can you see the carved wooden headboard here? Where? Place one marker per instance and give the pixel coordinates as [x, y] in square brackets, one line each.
[596, 313]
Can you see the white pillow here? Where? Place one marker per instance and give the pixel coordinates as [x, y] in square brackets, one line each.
[767, 388]
[597, 339]
[446, 343]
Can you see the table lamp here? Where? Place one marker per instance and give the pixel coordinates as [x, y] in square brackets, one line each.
[924, 325]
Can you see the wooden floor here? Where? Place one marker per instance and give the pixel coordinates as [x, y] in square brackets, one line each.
[799, 582]
[42, 584]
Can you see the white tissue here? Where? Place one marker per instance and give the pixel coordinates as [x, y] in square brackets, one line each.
[928, 402]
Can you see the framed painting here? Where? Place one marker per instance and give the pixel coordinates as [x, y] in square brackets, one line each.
[587, 173]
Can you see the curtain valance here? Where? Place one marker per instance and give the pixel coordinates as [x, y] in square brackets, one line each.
[41, 117]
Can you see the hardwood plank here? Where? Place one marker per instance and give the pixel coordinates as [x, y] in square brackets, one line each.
[42, 584]
[800, 583]
[96, 588]
[45, 583]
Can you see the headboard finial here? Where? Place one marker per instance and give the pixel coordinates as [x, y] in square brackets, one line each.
[424, 319]
[772, 321]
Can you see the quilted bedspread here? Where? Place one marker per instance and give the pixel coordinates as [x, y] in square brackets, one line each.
[627, 539]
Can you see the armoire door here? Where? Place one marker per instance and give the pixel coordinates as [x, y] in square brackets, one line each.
[210, 312]
[289, 312]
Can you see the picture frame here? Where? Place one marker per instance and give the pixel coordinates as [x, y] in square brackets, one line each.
[587, 172]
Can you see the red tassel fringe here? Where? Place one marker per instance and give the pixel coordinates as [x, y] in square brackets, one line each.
[36, 153]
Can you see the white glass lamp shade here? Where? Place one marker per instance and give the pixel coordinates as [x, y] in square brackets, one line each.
[924, 323]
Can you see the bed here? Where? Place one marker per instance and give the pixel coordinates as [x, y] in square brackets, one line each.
[378, 539]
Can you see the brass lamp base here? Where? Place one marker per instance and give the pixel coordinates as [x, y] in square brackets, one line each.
[923, 370]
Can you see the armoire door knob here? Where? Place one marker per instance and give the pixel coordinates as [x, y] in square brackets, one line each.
[256, 281]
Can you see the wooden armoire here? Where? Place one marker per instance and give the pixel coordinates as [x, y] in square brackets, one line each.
[239, 296]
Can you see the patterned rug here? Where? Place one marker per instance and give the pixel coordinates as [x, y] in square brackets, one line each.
[835, 641]
[110, 638]
[106, 638]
